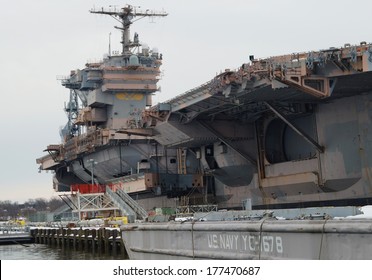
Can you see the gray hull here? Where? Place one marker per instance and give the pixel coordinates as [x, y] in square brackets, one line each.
[265, 239]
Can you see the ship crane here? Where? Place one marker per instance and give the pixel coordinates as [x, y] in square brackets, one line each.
[125, 16]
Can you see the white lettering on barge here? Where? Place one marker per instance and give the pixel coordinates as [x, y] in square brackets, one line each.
[236, 242]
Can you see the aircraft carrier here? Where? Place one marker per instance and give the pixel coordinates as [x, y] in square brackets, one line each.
[280, 132]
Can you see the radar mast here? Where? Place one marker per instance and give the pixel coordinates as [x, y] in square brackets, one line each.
[125, 16]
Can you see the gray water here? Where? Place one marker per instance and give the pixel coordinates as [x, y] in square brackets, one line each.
[46, 252]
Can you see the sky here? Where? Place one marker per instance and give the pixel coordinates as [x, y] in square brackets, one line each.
[42, 40]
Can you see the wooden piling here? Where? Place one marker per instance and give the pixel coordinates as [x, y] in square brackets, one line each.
[101, 240]
[113, 242]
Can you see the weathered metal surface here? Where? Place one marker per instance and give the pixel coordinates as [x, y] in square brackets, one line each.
[264, 239]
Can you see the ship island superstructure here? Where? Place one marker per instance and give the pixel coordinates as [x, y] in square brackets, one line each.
[285, 131]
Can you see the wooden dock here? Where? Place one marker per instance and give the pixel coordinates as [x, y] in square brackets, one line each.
[100, 241]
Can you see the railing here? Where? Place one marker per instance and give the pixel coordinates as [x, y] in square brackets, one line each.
[88, 188]
[11, 228]
[117, 200]
[132, 204]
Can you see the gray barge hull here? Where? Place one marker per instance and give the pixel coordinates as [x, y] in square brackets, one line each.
[264, 239]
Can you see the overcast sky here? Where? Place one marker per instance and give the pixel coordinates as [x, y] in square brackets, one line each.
[44, 39]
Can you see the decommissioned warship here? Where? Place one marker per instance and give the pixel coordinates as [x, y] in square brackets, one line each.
[285, 132]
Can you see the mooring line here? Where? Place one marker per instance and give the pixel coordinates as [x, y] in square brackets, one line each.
[321, 239]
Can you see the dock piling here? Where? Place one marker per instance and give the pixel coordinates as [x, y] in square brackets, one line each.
[101, 240]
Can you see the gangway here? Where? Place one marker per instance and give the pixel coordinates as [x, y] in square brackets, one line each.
[126, 204]
[142, 213]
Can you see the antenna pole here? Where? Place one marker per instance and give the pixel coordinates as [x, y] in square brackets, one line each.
[109, 50]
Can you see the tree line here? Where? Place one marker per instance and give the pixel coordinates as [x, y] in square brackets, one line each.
[13, 210]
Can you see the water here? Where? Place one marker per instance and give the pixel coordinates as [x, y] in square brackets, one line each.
[45, 252]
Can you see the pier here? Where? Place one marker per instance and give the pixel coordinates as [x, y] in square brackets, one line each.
[97, 241]
[14, 234]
